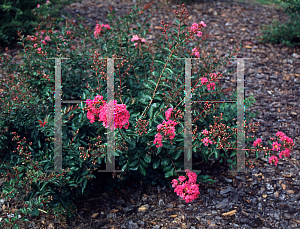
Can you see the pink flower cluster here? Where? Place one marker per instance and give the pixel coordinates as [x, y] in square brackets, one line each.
[99, 28]
[195, 52]
[195, 27]
[168, 128]
[206, 141]
[188, 190]
[35, 39]
[97, 109]
[137, 38]
[210, 86]
[257, 142]
[276, 147]
[121, 115]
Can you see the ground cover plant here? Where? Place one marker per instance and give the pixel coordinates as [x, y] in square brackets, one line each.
[20, 15]
[149, 107]
[287, 32]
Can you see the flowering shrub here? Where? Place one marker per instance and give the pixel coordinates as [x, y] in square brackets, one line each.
[148, 86]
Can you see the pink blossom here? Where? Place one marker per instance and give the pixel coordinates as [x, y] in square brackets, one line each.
[143, 40]
[47, 38]
[121, 116]
[199, 34]
[280, 134]
[174, 183]
[168, 113]
[194, 27]
[257, 142]
[213, 75]
[106, 26]
[197, 54]
[211, 85]
[285, 153]
[188, 191]
[44, 42]
[38, 6]
[98, 29]
[158, 139]
[276, 146]
[204, 80]
[181, 178]
[205, 132]
[206, 141]
[287, 139]
[203, 24]
[192, 176]
[35, 45]
[135, 38]
[273, 159]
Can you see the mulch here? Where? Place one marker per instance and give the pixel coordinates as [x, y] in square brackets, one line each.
[264, 197]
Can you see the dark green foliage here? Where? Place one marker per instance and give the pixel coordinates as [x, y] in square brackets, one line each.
[19, 15]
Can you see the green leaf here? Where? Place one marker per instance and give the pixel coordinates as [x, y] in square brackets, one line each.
[159, 61]
[158, 150]
[84, 185]
[133, 164]
[169, 173]
[145, 99]
[152, 107]
[142, 170]
[34, 212]
[156, 164]
[147, 159]
[205, 177]
[170, 71]
[177, 154]
[165, 161]
[229, 160]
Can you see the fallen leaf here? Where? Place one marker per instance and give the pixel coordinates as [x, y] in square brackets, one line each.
[142, 208]
[286, 77]
[230, 213]
[290, 191]
[113, 211]
[95, 215]
[283, 186]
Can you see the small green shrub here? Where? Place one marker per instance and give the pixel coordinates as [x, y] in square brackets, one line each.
[285, 33]
[17, 15]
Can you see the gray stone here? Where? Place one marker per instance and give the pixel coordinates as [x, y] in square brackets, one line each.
[132, 225]
[222, 192]
[296, 55]
[223, 203]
